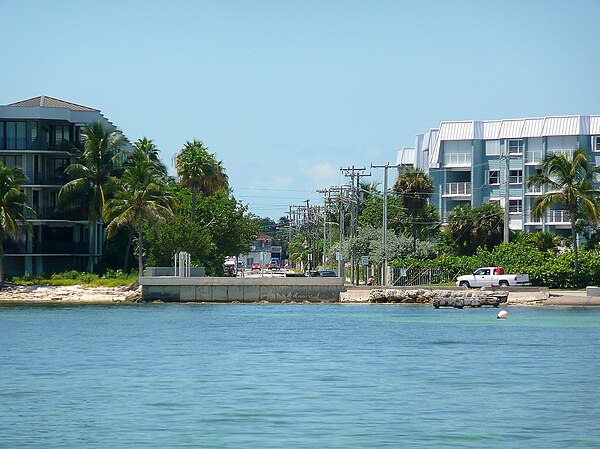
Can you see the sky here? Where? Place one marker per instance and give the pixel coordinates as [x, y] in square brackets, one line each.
[286, 93]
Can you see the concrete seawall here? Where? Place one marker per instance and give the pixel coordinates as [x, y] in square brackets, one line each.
[248, 290]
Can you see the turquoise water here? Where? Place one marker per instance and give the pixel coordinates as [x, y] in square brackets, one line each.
[311, 376]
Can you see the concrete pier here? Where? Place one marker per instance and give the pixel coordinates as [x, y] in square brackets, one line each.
[246, 290]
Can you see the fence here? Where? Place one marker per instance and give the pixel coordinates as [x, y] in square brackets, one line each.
[416, 275]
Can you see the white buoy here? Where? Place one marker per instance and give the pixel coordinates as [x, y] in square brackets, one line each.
[502, 315]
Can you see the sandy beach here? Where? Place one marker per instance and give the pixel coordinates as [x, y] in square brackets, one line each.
[68, 294]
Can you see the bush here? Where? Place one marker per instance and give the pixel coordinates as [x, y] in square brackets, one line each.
[554, 270]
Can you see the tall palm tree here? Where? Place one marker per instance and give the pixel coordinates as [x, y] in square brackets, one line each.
[93, 175]
[141, 197]
[145, 148]
[568, 182]
[414, 187]
[13, 207]
[199, 171]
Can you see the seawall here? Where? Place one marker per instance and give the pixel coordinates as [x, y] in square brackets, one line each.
[244, 290]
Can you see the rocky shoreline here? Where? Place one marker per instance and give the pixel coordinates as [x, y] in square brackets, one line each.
[73, 294]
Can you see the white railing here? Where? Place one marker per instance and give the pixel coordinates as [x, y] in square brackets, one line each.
[550, 217]
[457, 159]
[534, 157]
[557, 216]
[457, 188]
[534, 190]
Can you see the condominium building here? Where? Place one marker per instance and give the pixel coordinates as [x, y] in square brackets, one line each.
[475, 162]
[33, 133]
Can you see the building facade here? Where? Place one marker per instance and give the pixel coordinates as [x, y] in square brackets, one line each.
[33, 136]
[475, 162]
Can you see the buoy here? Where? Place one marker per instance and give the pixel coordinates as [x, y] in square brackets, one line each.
[502, 315]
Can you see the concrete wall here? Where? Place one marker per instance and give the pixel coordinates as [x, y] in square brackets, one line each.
[223, 289]
[169, 271]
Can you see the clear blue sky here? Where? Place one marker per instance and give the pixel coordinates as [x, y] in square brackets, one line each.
[287, 92]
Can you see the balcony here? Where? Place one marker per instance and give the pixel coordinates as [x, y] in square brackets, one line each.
[533, 190]
[24, 144]
[453, 189]
[534, 157]
[457, 160]
[551, 217]
[46, 178]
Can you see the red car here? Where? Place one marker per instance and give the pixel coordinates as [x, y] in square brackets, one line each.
[255, 266]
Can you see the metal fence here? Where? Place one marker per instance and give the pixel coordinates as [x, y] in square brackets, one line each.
[420, 276]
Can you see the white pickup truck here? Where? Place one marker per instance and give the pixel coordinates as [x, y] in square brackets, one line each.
[491, 277]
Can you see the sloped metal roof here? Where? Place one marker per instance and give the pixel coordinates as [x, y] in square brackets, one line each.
[491, 129]
[406, 156]
[510, 129]
[594, 124]
[50, 102]
[533, 127]
[561, 126]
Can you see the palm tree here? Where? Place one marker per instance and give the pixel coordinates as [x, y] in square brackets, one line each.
[141, 197]
[414, 187]
[568, 182]
[13, 207]
[145, 148]
[93, 175]
[199, 171]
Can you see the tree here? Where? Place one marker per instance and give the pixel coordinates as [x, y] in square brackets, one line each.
[141, 197]
[199, 171]
[471, 228]
[414, 187]
[145, 149]
[222, 228]
[94, 175]
[568, 182]
[13, 207]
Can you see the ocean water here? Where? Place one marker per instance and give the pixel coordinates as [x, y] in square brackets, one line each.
[307, 376]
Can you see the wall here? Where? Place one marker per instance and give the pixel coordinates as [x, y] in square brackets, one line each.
[223, 289]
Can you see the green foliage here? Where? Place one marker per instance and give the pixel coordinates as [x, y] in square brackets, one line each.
[222, 228]
[545, 268]
[110, 279]
[471, 228]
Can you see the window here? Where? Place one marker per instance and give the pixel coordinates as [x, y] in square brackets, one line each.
[515, 146]
[494, 177]
[515, 206]
[595, 143]
[492, 148]
[515, 177]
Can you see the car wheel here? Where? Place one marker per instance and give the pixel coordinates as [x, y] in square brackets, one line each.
[503, 283]
[464, 284]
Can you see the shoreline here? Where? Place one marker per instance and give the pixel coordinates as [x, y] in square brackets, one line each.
[80, 295]
[72, 294]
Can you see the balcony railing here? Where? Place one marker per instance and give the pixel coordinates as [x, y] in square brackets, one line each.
[550, 217]
[457, 159]
[534, 157]
[46, 178]
[22, 143]
[457, 189]
[533, 190]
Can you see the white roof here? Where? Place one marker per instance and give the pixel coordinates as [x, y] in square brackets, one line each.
[566, 125]
[406, 156]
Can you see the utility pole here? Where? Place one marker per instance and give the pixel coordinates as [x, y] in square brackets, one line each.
[506, 194]
[384, 276]
[354, 172]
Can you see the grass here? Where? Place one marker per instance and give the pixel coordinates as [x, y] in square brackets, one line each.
[110, 278]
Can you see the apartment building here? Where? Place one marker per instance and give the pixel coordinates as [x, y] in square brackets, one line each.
[474, 162]
[33, 133]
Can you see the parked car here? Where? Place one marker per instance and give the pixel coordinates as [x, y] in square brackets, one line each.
[491, 277]
[320, 273]
[274, 264]
[255, 266]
